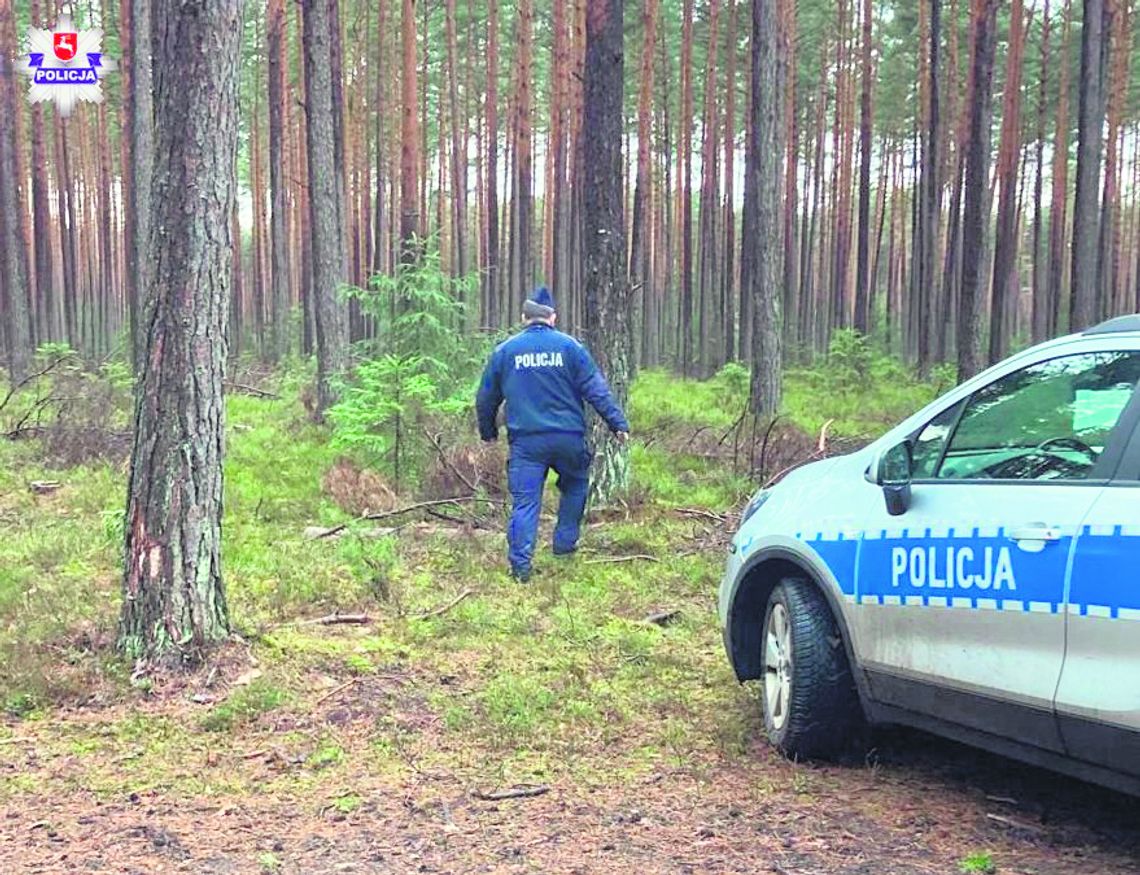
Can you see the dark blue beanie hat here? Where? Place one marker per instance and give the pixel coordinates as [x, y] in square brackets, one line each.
[540, 305]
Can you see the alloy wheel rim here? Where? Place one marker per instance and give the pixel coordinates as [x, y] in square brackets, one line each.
[778, 666]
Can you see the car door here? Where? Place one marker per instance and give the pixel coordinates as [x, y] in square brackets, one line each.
[961, 599]
[1098, 698]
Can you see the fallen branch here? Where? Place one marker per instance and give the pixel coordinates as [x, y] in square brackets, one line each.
[663, 618]
[443, 609]
[252, 390]
[701, 512]
[16, 739]
[604, 559]
[514, 793]
[474, 522]
[447, 463]
[329, 620]
[1014, 823]
[45, 487]
[423, 505]
[317, 533]
[336, 691]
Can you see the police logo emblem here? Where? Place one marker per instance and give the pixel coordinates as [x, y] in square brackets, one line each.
[66, 65]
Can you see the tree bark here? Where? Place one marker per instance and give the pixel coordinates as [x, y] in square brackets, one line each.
[409, 139]
[1086, 298]
[975, 220]
[607, 289]
[458, 151]
[324, 214]
[279, 233]
[641, 274]
[13, 267]
[492, 317]
[684, 190]
[174, 603]
[1005, 280]
[1058, 211]
[863, 261]
[763, 162]
[1040, 323]
[42, 290]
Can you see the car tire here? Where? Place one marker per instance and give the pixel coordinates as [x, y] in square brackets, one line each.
[808, 697]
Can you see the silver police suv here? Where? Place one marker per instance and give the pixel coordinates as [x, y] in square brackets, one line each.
[975, 572]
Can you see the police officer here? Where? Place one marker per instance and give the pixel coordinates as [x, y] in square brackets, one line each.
[544, 376]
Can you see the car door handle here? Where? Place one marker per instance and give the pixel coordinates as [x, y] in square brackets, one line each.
[1035, 532]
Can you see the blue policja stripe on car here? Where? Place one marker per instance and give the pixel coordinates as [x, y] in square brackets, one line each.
[839, 552]
[1106, 574]
[963, 570]
[987, 570]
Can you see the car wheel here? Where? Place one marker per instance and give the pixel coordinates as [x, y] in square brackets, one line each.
[811, 708]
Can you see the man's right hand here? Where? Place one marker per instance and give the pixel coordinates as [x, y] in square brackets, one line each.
[622, 437]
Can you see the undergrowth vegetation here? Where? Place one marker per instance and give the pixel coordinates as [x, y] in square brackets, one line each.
[456, 666]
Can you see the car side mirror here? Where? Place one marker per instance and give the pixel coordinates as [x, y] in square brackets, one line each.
[892, 472]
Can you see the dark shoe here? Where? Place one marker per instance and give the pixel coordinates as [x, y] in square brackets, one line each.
[562, 554]
[522, 575]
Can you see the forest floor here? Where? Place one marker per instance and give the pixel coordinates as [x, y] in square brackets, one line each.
[618, 736]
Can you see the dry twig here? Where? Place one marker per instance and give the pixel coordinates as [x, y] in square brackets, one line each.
[252, 390]
[422, 505]
[447, 463]
[337, 691]
[645, 557]
[513, 793]
[443, 609]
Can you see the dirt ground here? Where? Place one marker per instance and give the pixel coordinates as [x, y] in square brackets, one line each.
[921, 806]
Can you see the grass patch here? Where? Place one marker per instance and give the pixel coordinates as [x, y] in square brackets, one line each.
[243, 706]
[977, 863]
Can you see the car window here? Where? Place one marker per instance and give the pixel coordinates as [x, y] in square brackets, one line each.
[1050, 421]
[931, 441]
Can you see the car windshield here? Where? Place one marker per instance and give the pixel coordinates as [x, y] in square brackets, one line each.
[1049, 421]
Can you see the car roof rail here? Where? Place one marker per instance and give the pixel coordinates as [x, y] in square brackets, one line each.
[1119, 325]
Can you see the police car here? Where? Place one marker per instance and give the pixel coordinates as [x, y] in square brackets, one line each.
[975, 572]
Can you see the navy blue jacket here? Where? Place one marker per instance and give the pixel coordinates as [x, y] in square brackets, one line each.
[544, 376]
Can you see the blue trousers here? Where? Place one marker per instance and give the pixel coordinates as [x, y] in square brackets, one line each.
[530, 458]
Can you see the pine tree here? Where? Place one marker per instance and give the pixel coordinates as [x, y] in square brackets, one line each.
[174, 603]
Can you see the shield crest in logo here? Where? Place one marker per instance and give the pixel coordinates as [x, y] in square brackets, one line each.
[65, 45]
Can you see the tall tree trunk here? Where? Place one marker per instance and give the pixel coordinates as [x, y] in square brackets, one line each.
[409, 139]
[863, 261]
[458, 152]
[1058, 211]
[684, 189]
[1005, 280]
[324, 214]
[975, 219]
[174, 603]
[66, 225]
[1119, 44]
[642, 245]
[522, 205]
[1040, 323]
[493, 317]
[923, 279]
[764, 164]
[729, 292]
[607, 290]
[43, 290]
[280, 295]
[13, 267]
[708, 335]
[1085, 304]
